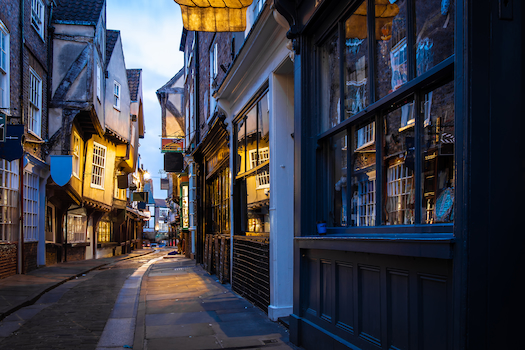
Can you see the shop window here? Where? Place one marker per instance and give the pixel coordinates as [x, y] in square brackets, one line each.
[98, 166]
[185, 206]
[31, 194]
[9, 199]
[400, 170]
[252, 168]
[104, 232]
[35, 103]
[37, 16]
[218, 202]
[76, 228]
[4, 66]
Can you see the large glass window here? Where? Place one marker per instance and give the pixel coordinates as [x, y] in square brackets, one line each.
[31, 193]
[104, 231]
[98, 166]
[400, 169]
[76, 228]
[4, 66]
[253, 172]
[218, 202]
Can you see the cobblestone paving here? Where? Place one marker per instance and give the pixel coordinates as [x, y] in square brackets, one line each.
[77, 319]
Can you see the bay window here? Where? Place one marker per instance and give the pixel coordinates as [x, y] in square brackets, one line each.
[385, 132]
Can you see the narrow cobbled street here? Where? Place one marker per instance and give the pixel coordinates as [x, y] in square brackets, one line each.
[153, 301]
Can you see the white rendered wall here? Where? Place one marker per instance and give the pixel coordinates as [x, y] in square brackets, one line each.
[281, 195]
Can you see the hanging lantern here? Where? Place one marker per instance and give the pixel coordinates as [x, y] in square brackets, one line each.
[385, 11]
[214, 15]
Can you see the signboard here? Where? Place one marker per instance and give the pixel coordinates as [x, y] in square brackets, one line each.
[12, 148]
[164, 184]
[61, 169]
[172, 145]
[141, 197]
[2, 127]
[173, 162]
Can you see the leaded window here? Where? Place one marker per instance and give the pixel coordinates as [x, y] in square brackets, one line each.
[31, 193]
[385, 130]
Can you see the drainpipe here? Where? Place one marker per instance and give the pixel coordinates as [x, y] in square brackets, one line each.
[21, 165]
[50, 33]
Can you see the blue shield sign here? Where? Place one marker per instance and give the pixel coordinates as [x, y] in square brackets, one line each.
[12, 148]
[61, 169]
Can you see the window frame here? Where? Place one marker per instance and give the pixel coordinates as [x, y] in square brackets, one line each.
[117, 90]
[31, 206]
[4, 67]
[34, 124]
[416, 86]
[102, 167]
[37, 14]
[9, 186]
[77, 154]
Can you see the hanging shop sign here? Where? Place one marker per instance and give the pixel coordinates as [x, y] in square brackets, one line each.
[213, 15]
[141, 197]
[172, 145]
[164, 184]
[11, 148]
[61, 169]
[173, 162]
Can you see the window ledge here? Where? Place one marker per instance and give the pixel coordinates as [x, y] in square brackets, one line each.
[439, 245]
[38, 138]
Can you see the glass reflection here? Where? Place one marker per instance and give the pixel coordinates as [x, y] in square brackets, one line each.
[363, 184]
[398, 166]
[438, 143]
[338, 155]
[434, 33]
[330, 94]
[391, 46]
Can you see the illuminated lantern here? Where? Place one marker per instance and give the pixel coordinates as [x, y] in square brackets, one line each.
[214, 15]
[385, 11]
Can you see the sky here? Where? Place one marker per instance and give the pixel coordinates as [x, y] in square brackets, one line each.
[150, 32]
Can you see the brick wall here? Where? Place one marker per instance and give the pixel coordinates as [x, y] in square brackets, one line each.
[30, 256]
[76, 253]
[52, 254]
[7, 260]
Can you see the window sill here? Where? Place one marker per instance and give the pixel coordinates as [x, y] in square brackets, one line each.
[438, 245]
[38, 138]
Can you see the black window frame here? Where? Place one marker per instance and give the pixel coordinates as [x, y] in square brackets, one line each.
[415, 88]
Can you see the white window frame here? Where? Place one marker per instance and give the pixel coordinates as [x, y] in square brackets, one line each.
[98, 166]
[258, 6]
[35, 103]
[99, 82]
[76, 155]
[366, 202]
[4, 68]
[9, 201]
[76, 228]
[365, 136]
[37, 16]
[399, 187]
[117, 88]
[262, 179]
[31, 194]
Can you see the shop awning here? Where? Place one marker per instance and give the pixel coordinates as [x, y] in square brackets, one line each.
[214, 15]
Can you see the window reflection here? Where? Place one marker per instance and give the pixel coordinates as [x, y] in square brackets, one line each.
[434, 33]
[363, 175]
[338, 157]
[391, 47]
[438, 143]
[330, 94]
[356, 62]
[398, 166]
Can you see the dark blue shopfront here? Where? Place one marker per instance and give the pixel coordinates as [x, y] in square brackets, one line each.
[409, 112]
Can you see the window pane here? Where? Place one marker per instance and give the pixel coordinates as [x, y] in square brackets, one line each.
[356, 62]
[258, 201]
[391, 48]
[438, 143]
[398, 167]
[338, 167]
[363, 174]
[434, 33]
[330, 86]
[241, 147]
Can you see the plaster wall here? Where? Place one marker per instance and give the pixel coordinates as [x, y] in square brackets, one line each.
[104, 195]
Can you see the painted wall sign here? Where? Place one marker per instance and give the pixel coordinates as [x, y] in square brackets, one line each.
[12, 148]
[172, 145]
[61, 169]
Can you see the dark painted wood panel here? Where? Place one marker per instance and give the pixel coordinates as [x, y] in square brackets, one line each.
[312, 287]
[398, 309]
[432, 318]
[370, 304]
[325, 308]
[344, 295]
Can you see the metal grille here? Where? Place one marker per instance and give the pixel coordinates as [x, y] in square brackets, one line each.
[251, 269]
